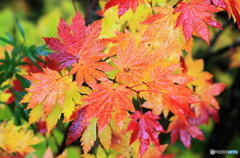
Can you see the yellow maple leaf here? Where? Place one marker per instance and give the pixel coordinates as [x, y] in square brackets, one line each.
[50, 95]
[17, 139]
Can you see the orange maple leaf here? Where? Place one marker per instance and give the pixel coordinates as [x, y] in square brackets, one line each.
[233, 9]
[169, 90]
[107, 101]
[51, 94]
[133, 63]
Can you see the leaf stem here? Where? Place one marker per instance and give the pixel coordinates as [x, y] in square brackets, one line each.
[139, 102]
[74, 5]
[137, 85]
[63, 76]
[177, 3]
[90, 8]
[63, 145]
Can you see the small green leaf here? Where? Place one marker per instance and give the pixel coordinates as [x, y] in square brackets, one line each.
[7, 41]
[11, 39]
[20, 28]
[24, 82]
[31, 58]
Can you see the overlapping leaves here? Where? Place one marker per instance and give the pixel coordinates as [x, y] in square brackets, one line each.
[51, 94]
[148, 68]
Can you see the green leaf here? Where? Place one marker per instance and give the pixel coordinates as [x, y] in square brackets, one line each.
[31, 58]
[24, 82]
[7, 41]
[20, 28]
[43, 50]
[11, 39]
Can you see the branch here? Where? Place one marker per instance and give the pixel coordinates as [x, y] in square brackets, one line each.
[63, 145]
[74, 5]
[177, 3]
[90, 8]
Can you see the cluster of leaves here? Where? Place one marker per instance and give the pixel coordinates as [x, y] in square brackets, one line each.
[96, 80]
[8, 131]
[17, 60]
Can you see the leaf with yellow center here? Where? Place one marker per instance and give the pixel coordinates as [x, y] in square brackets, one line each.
[50, 95]
[17, 139]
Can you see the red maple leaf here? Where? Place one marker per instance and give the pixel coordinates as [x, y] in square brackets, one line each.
[179, 128]
[203, 112]
[218, 3]
[194, 16]
[77, 126]
[107, 101]
[123, 5]
[231, 6]
[17, 86]
[42, 127]
[80, 47]
[145, 129]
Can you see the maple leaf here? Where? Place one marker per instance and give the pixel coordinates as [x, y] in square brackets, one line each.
[123, 5]
[80, 47]
[231, 6]
[218, 3]
[168, 90]
[90, 70]
[233, 9]
[89, 135]
[17, 139]
[133, 63]
[162, 33]
[51, 94]
[194, 68]
[42, 127]
[194, 16]
[154, 152]
[203, 112]
[145, 129]
[77, 126]
[209, 91]
[106, 101]
[179, 128]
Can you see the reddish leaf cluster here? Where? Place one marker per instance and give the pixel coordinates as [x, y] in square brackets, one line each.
[148, 67]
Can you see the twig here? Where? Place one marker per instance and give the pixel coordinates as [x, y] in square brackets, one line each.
[90, 8]
[177, 3]
[74, 5]
[63, 145]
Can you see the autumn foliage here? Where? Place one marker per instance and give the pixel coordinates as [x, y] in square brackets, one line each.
[115, 88]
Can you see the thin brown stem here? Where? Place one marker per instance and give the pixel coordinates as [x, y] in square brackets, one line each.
[139, 102]
[177, 3]
[63, 76]
[137, 85]
[74, 5]
[63, 145]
